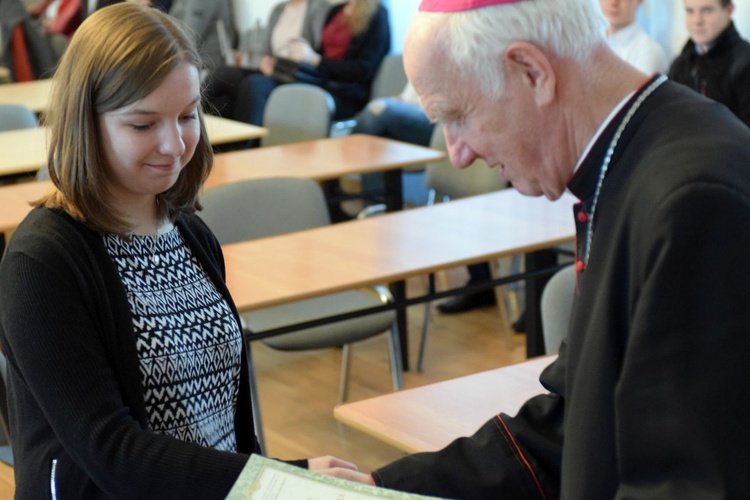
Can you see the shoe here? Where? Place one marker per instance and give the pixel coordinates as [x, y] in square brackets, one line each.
[519, 325]
[467, 302]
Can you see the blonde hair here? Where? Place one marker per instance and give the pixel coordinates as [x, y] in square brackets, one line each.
[118, 55]
[362, 11]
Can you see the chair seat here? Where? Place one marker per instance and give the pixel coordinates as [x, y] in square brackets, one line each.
[330, 335]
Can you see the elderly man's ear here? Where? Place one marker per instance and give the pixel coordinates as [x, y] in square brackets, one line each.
[531, 66]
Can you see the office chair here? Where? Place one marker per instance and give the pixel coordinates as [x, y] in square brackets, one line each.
[389, 81]
[6, 453]
[557, 302]
[297, 112]
[266, 207]
[15, 117]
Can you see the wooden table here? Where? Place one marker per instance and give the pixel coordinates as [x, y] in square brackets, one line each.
[25, 151]
[34, 94]
[399, 245]
[319, 160]
[325, 159]
[393, 247]
[385, 249]
[428, 418]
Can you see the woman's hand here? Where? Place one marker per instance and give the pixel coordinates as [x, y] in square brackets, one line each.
[266, 65]
[300, 51]
[332, 466]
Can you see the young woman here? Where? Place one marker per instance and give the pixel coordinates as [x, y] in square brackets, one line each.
[127, 369]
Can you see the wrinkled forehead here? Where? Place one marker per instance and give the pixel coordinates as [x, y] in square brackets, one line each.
[426, 50]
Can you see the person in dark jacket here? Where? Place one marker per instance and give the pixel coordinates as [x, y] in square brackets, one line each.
[716, 60]
[127, 370]
[648, 397]
[289, 20]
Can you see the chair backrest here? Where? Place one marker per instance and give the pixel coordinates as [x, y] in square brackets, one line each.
[557, 303]
[258, 208]
[390, 79]
[445, 180]
[297, 112]
[16, 116]
[4, 434]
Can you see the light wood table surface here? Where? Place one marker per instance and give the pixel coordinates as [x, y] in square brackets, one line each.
[428, 418]
[25, 151]
[393, 247]
[34, 94]
[319, 160]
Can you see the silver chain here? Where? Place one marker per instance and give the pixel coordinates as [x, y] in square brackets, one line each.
[610, 151]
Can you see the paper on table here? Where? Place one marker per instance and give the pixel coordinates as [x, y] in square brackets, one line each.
[266, 479]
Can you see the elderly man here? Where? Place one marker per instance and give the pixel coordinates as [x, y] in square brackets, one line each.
[629, 40]
[715, 61]
[648, 398]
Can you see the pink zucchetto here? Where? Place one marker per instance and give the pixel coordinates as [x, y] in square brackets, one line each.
[458, 5]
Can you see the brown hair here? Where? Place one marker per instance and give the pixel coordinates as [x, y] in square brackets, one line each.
[360, 15]
[119, 55]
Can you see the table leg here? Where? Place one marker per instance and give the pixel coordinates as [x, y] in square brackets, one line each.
[394, 201]
[534, 287]
[398, 290]
[394, 190]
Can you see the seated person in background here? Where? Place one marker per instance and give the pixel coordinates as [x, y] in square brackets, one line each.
[715, 61]
[355, 39]
[59, 20]
[203, 17]
[116, 387]
[629, 40]
[399, 117]
[288, 21]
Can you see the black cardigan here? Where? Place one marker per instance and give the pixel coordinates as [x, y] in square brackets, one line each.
[74, 382]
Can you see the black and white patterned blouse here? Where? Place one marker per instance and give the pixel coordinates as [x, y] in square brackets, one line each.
[188, 342]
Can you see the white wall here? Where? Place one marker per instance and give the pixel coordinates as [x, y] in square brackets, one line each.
[248, 12]
[663, 19]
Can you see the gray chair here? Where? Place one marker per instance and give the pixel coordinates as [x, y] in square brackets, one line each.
[557, 303]
[266, 207]
[446, 182]
[6, 453]
[16, 116]
[389, 81]
[297, 112]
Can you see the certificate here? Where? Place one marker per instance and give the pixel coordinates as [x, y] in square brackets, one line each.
[267, 479]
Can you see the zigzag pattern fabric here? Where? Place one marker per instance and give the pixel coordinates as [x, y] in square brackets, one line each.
[189, 343]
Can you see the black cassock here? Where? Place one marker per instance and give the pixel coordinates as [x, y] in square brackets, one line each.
[650, 392]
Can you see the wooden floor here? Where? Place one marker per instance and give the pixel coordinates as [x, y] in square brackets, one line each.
[298, 391]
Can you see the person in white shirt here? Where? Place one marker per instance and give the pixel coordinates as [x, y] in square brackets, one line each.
[629, 40]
